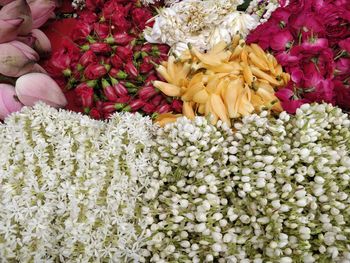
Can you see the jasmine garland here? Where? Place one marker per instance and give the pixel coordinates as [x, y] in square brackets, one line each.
[276, 190]
[69, 186]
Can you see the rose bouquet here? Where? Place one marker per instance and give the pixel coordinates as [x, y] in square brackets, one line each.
[311, 40]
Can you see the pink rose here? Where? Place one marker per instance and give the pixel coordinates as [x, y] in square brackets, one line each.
[345, 44]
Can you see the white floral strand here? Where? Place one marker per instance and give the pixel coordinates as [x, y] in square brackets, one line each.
[69, 186]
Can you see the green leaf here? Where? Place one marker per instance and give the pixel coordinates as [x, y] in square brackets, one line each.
[244, 6]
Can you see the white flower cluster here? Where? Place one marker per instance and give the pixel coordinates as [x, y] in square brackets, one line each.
[69, 186]
[263, 9]
[200, 23]
[166, 2]
[78, 4]
[277, 190]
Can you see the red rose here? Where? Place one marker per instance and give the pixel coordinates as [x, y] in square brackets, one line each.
[306, 23]
[342, 95]
[85, 95]
[140, 17]
[345, 45]
[94, 4]
[281, 40]
[95, 71]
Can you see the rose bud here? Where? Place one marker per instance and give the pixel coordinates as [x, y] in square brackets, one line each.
[116, 62]
[150, 78]
[177, 105]
[119, 88]
[8, 101]
[110, 107]
[87, 58]
[101, 30]
[119, 74]
[147, 92]
[95, 114]
[15, 13]
[131, 69]
[162, 49]
[100, 48]
[120, 39]
[163, 108]
[34, 87]
[157, 100]
[85, 94]
[149, 108]
[16, 58]
[147, 47]
[95, 71]
[109, 91]
[42, 10]
[146, 65]
[42, 44]
[135, 105]
[124, 53]
[80, 33]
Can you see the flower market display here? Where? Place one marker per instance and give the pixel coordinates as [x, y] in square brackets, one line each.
[175, 131]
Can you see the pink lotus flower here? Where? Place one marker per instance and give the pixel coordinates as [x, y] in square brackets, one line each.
[8, 101]
[34, 87]
[16, 59]
[16, 13]
[42, 44]
[5, 2]
[42, 10]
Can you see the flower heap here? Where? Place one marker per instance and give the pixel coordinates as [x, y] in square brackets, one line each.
[205, 23]
[69, 186]
[275, 190]
[22, 45]
[225, 83]
[311, 40]
[108, 64]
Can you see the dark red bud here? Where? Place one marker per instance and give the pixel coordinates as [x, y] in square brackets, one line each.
[109, 91]
[95, 114]
[120, 90]
[157, 99]
[164, 108]
[116, 62]
[147, 92]
[131, 69]
[100, 48]
[120, 39]
[124, 53]
[149, 108]
[177, 105]
[136, 104]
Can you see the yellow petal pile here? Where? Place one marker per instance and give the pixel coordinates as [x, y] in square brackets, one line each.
[225, 83]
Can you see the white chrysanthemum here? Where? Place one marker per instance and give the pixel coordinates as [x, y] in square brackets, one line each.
[200, 23]
[275, 190]
[69, 186]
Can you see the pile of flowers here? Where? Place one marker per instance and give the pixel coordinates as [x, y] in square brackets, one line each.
[22, 45]
[205, 23]
[70, 185]
[108, 64]
[226, 82]
[311, 40]
[207, 131]
[275, 190]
